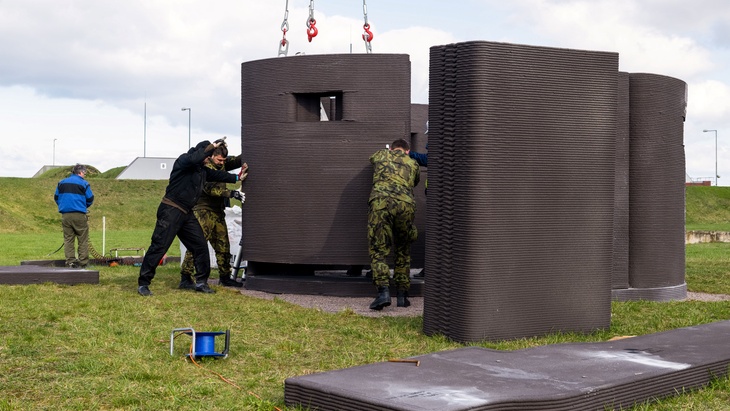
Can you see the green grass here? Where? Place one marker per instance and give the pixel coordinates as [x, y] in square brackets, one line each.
[708, 208]
[45, 246]
[27, 204]
[708, 267]
[102, 347]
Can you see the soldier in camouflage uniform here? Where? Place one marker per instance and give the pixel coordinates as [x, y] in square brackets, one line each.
[210, 212]
[391, 211]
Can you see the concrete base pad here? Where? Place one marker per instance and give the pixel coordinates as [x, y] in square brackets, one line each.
[35, 274]
[337, 285]
[669, 293]
[585, 376]
[99, 262]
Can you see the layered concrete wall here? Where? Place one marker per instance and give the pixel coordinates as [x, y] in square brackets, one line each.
[521, 190]
[310, 179]
[556, 181]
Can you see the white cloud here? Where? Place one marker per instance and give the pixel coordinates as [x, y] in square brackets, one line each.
[89, 132]
[416, 42]
[709, 101]
[613, 26]
[82, 70]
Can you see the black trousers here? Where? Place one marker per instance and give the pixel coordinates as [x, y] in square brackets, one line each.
[173, 222]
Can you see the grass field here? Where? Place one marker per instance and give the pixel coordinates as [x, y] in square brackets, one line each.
[708, 208]
[102, 347]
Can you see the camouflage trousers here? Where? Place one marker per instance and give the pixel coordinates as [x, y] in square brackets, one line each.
[215, 231]
[390, 226]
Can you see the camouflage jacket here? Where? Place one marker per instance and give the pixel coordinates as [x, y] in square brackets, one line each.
[394, 175]
[215, 195]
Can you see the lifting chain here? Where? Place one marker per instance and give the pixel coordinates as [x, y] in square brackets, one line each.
[312, 30]
[311, 22]
[367, 35]
[284, 43]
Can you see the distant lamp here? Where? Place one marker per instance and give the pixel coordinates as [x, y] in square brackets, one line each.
[189, 110]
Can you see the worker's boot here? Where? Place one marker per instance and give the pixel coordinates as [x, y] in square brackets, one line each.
[382, 300]
[402, 299]
[204, 288]
[228, 282]
[186, 282]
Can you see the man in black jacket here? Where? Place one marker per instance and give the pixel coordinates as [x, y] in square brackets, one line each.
[211, 214]
[175, 216]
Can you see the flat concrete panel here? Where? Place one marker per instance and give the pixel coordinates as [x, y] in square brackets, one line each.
[35, 274]
[577, 376]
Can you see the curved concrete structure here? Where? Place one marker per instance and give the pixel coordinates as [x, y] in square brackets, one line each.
[309, 126]
[656, 188]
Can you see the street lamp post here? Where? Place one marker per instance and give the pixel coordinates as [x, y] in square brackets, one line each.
[189, 112]
[54, 151]
[716, 175]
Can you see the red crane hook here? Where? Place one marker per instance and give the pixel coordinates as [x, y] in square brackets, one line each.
[311, 29]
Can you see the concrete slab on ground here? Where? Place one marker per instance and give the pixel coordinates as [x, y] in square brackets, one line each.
[36, 274]
[586, 376]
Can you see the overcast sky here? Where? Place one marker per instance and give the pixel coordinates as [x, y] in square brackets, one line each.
[76, 75]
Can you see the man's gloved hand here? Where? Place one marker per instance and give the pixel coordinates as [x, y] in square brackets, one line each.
[243, 173]
[238, 195]
[219, 142]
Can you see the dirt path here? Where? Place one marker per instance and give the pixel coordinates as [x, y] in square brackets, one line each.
[358, 305]
[707, 297]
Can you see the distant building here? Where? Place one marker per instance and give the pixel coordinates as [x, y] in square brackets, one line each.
[44, 169]
[148, 168]
[700, 181]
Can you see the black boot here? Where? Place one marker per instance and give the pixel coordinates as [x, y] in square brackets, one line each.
[228, 282]
[204, 288]
[382, 300]
[403, 299]
[186, 282]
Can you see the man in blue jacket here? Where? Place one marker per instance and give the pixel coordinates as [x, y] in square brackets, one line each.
[175, 216]
[74, 197]
[422, 160]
